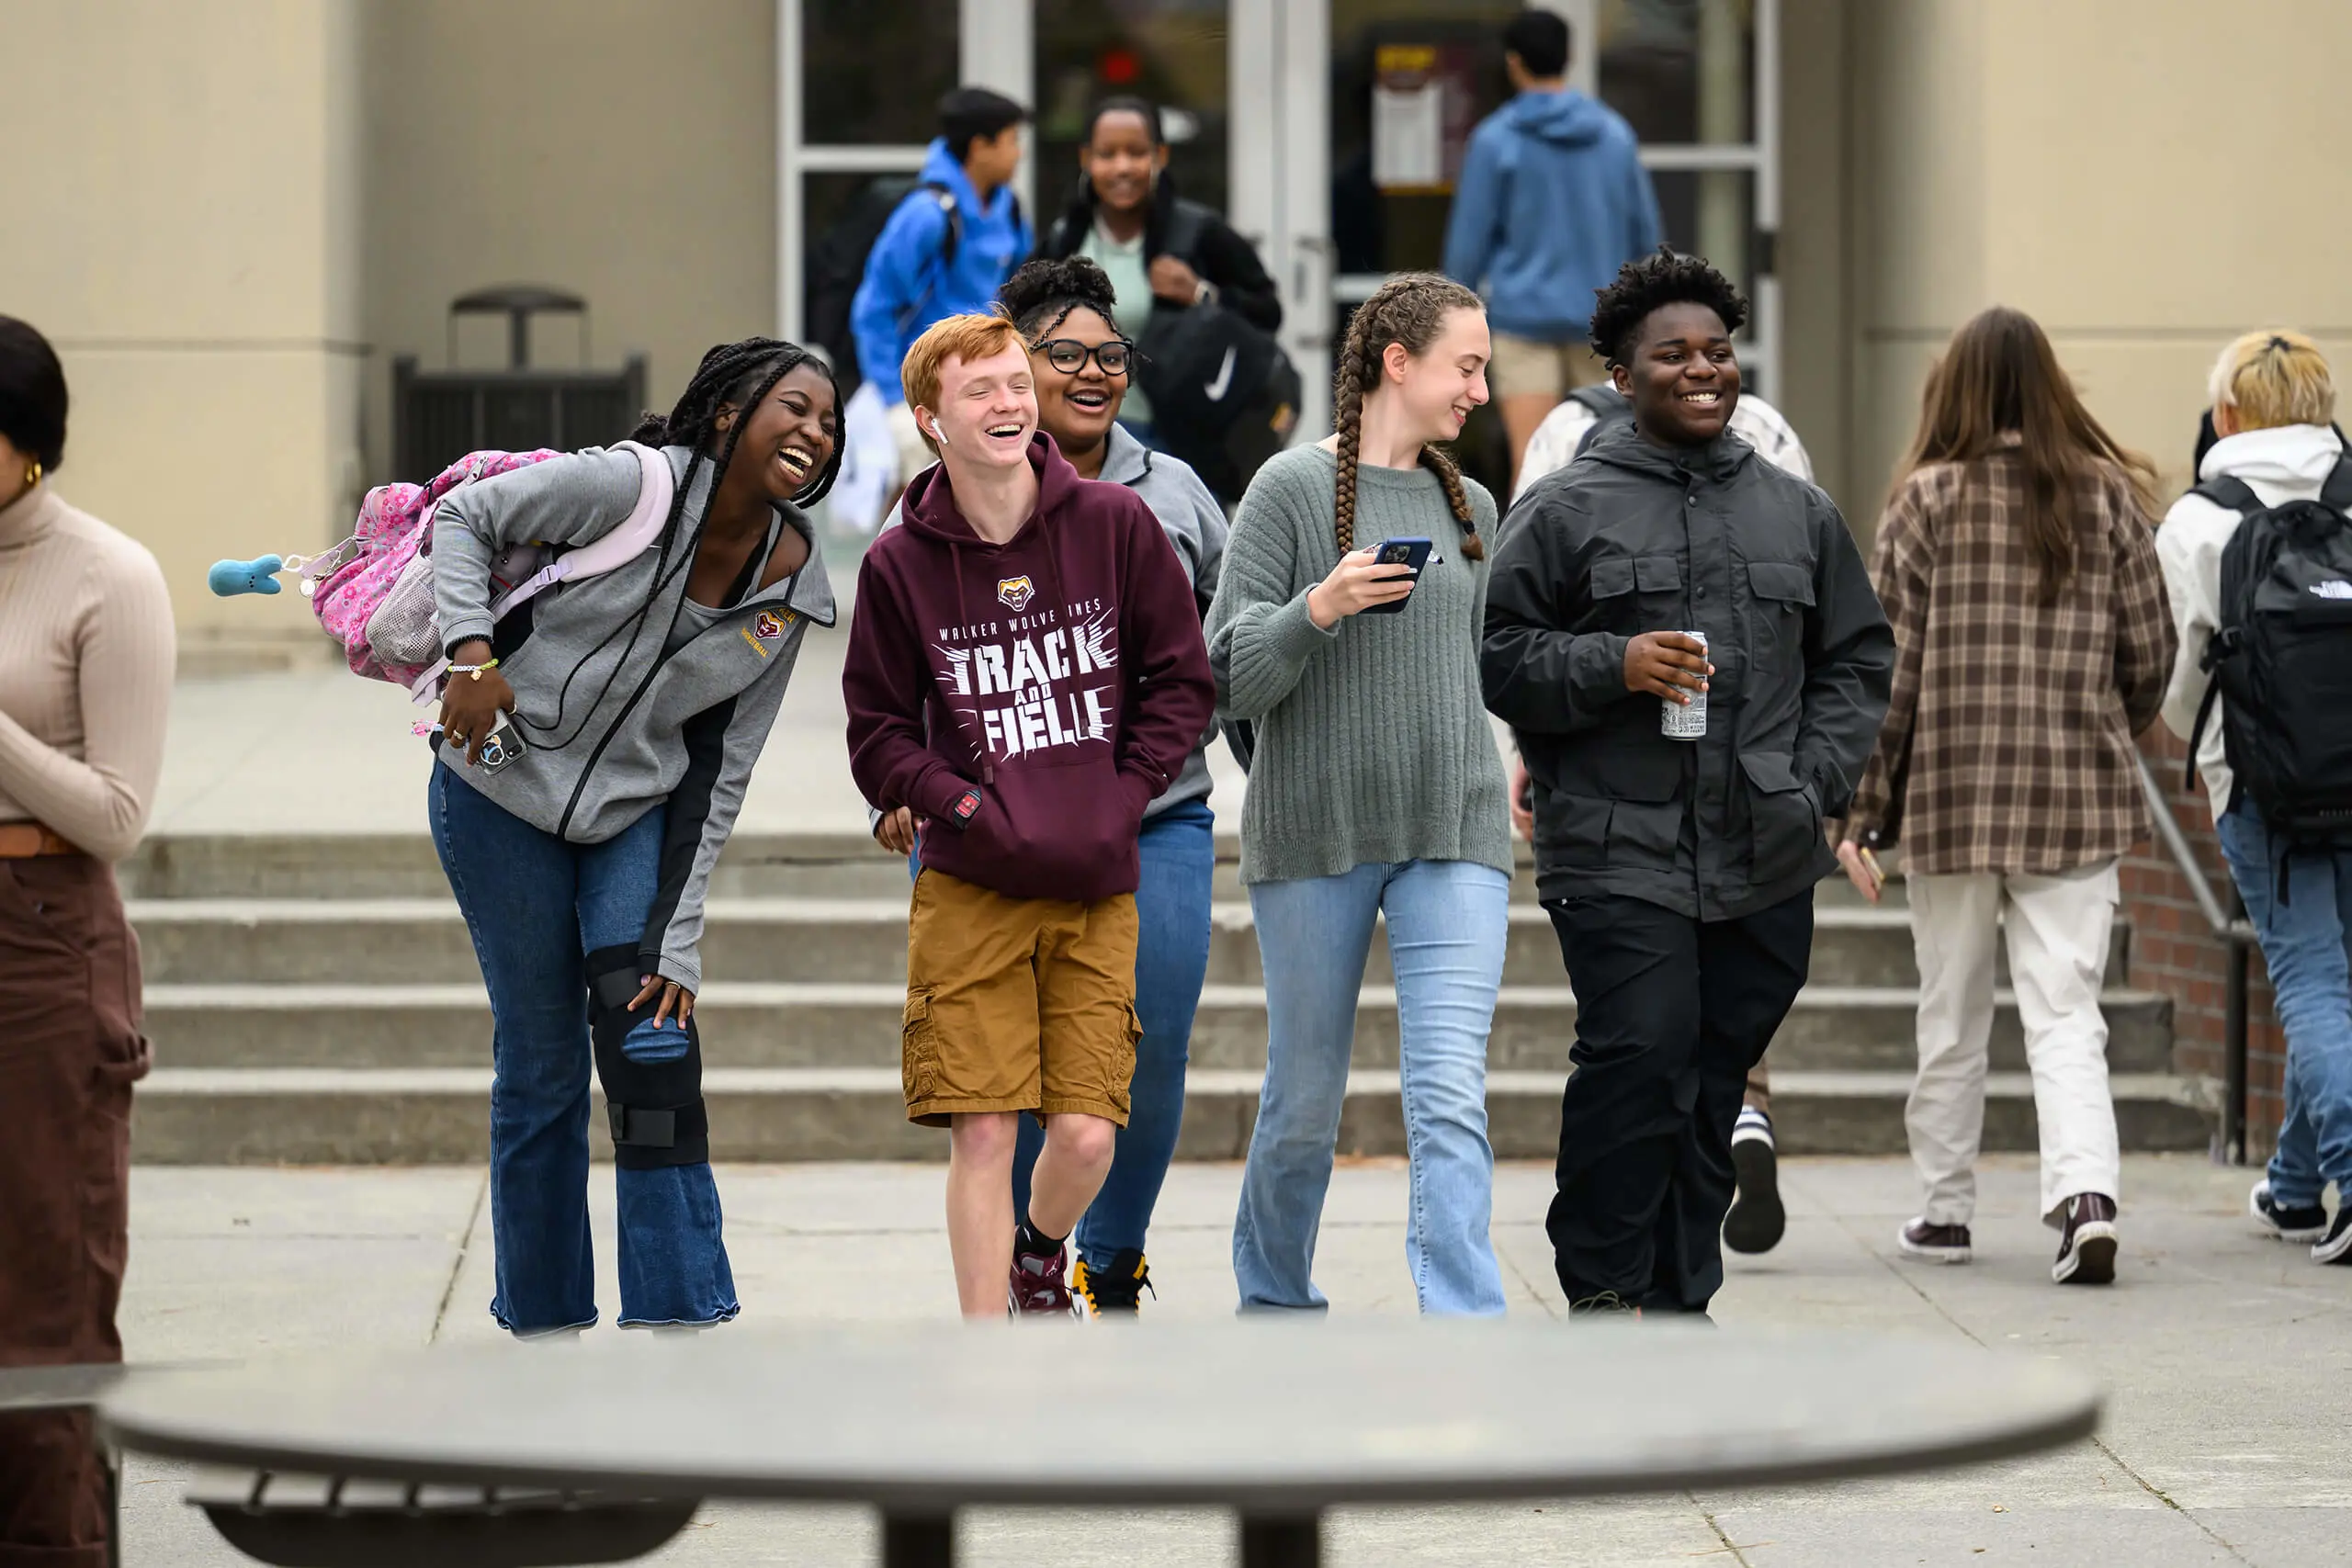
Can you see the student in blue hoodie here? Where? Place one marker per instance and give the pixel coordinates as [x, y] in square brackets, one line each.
[1552, 201]
[946, 252]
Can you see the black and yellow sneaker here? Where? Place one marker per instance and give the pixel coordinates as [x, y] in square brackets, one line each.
[1116, 1292]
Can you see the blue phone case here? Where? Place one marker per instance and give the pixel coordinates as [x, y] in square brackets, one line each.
[1416, 555]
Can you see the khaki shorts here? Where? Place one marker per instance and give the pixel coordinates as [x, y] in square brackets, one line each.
[1017, 1004]
[1523, 367]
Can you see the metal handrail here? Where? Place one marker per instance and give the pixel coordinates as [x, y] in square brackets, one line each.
[2235, 930]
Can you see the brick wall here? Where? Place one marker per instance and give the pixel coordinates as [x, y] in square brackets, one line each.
[2174, 951]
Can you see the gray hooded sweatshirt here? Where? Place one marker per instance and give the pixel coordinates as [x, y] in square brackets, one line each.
[613, 725]
[1196, 527]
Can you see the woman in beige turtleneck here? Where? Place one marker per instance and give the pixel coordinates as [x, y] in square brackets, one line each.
[85, 678]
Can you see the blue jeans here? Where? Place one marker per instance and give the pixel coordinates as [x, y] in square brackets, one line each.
[1171, 962]
[2307, 942]
[1447, 924]
[534, 905]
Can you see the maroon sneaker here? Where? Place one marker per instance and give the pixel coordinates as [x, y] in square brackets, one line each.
[1040, 1286]
[1935, 1243]
[2086, 1244]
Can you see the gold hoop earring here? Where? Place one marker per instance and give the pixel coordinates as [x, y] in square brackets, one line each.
[32, 473]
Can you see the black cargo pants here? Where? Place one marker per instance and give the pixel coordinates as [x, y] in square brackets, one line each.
[1671, 1013]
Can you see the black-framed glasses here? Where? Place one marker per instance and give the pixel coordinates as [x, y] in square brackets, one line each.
[1069, 356]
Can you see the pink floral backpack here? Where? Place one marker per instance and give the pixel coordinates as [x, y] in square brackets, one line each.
[373, 592]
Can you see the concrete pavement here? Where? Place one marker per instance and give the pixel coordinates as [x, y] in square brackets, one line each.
[2227, 1359]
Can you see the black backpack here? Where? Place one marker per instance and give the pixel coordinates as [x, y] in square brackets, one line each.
[2283, 658]
[1609, 406]
[836, 265]
[1224, 395]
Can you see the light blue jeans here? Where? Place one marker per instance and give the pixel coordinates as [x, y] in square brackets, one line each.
[2307, 943]
[1447, 923]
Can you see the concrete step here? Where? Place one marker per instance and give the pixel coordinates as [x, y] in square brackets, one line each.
[190, 1116]
[394, 940]
[858, 1024]
[755, 865]
[359, 866]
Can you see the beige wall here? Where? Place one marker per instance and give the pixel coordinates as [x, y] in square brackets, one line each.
[190, 244]
[620, 150]
[1816, 321]
[2147, 177]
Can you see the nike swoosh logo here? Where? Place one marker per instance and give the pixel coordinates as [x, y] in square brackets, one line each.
[1216, 389]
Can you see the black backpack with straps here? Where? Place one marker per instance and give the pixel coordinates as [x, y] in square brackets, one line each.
[2283, 658]
[1224, 397]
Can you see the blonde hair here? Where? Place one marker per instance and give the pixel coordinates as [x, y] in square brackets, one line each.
[2273, 378]
[966, 338]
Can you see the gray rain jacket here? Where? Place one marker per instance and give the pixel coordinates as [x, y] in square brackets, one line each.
[1632, 537]
[612, 726]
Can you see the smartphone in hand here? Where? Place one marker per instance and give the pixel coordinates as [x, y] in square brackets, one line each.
[1411, 552]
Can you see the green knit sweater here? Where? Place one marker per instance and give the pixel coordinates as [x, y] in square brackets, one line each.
[1373, 742]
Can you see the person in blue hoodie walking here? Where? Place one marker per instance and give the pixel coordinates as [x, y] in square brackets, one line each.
[946, 252]
[1552, 201]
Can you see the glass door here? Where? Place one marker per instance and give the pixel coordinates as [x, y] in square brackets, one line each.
[858, 83]
[1372, 103]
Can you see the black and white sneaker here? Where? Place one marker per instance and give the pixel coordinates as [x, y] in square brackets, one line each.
[1757, 1220]
[2086, 1243]
[1935, 1243]
[2335, 1246]
[2283, 1222]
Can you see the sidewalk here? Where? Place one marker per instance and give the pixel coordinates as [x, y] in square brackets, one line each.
[2227, 1359]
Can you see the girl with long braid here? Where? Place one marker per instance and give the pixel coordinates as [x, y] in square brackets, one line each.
[641, 699]
[1376, 789]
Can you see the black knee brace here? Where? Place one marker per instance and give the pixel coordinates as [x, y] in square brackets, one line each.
[655, 1107]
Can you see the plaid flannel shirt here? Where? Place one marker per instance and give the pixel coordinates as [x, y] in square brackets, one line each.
[2007, 742]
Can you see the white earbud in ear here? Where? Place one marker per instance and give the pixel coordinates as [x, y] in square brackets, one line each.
[937, 433]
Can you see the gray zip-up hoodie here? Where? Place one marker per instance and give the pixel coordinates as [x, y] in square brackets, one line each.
[612, 725]
[1196, 527]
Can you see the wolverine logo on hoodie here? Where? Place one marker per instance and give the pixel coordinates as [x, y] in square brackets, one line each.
[1014, 593]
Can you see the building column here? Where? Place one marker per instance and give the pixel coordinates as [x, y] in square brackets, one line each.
[189, 237]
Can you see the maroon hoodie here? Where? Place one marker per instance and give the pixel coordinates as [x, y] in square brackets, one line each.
[1062, 673]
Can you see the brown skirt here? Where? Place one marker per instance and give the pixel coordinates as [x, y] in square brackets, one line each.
[70, 1046]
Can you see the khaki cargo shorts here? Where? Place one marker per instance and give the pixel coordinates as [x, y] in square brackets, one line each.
[1523, 367]
[1017, 1004]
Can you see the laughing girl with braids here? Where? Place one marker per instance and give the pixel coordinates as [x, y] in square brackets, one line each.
[641, 698]
[1376, 789]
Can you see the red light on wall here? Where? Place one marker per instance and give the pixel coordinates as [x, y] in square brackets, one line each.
[1119, 67]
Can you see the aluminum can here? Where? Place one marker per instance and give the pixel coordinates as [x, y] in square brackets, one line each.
[1681, 722]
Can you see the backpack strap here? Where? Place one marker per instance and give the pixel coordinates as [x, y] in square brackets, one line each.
[1187, 223]
[946, 199]
[2229, 492]
[1605, 404]
[2204, 713]
[2336, 493]
[644, 524]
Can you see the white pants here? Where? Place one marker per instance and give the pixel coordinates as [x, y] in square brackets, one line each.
[2057, 928]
